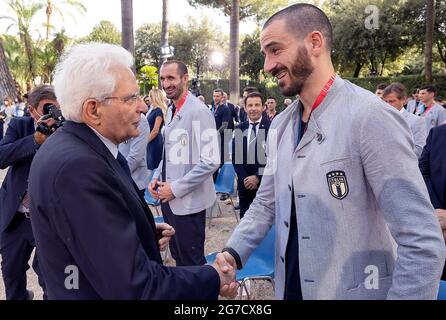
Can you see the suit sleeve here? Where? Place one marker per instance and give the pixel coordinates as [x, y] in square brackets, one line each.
[205, 136]
[93, 218]
[391, 169]
[14, 148]
[424, 164]
[138, 149]
[441, 116]
[260, 216]
[419, 136]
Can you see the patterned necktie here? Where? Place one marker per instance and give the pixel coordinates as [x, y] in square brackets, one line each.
[253, 132]
[26, 200]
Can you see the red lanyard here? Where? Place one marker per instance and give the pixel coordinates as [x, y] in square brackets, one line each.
[323, 93]
[181, 103]
[320, 98]
[428, 108]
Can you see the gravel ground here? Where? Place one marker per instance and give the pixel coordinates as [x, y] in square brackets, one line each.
[218, 230]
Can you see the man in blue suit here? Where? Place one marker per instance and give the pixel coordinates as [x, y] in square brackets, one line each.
[95, 235]
[17, 150]
[433, 168]
[248, 150]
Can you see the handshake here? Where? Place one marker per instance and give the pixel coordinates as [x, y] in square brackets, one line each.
[225, 265]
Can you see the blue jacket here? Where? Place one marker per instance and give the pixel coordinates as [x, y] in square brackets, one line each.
[433, 166]
[88, 214]
[17, 150]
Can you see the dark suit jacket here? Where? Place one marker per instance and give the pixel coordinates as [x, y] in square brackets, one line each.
[433, 166]
[242, 115]
[222, 114]
[87, 213]
[17, 150]
[234, 116]
[249, 164]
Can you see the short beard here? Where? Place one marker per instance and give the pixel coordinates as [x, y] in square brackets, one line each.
[300, 71]
[177, 94]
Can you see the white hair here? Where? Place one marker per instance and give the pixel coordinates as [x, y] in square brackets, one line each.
[86, 71]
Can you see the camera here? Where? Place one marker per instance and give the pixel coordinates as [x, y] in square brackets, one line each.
[50, 111]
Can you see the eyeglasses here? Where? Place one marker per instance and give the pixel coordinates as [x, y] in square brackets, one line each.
[132, 99]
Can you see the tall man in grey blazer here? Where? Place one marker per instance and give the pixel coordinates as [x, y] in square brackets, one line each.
[134, 151]
[191, 155]
[395, 95]
[352, 214]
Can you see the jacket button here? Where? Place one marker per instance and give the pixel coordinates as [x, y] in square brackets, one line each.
[289, 187]
[282, 258]
[319, 137]
[286, 224]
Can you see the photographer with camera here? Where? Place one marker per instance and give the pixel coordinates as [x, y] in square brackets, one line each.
[23, 138]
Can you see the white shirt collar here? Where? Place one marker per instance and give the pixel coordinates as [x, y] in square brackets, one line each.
[402, 110]
[251, 122]
[113, 148]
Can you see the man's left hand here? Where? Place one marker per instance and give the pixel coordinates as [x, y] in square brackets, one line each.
[251, 182]
[165, 232]
[165, 192]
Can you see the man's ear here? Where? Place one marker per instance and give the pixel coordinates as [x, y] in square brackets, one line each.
[90, 112]
[317, 42]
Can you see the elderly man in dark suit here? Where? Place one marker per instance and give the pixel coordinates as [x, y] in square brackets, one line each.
[433, 167]
[95, 235]
[248, 150]
[17, 151]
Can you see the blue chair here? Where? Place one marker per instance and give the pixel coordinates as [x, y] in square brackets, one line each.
[151, 200]
[442, 291]
[225, 184]
[260, 264]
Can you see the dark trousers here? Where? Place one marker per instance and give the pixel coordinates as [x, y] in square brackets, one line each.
[245, 197]
[16, 245]
[187, 245]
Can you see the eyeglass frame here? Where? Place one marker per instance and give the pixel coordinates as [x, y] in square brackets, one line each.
[131, 98]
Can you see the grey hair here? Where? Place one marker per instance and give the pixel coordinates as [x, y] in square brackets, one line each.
[86, 71]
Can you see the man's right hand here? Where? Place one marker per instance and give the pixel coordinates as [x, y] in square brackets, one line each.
[153, 188]
[39, 137]
[225, 265]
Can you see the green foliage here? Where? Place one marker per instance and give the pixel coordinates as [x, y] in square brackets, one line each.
[104, 31]
[259, 9]
[356, 46]
[147, 44]
[193, 44]
[148, 78]
[251, 59]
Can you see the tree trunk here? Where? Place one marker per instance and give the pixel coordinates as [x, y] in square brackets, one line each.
[234, 55]
[49, 12]
[7, 85]
[430, 20]
[30, 57]
[357, 70]
[127, 26]
[165, 29]
[164, 41]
